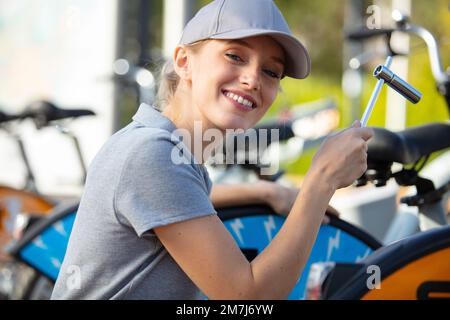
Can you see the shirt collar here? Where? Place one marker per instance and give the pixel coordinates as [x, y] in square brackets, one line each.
[149, 116]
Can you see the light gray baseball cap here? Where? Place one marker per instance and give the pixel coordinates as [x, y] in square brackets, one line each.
[237, 19]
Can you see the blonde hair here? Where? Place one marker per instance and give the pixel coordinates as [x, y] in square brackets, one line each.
[168, 79]
[168, 83]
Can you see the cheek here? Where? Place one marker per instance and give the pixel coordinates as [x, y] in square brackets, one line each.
[269, 97]
[208, 78]
[201, 82]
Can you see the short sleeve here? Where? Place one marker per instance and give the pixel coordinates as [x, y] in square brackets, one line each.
[153, 190]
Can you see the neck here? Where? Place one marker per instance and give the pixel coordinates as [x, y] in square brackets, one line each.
[190, 123]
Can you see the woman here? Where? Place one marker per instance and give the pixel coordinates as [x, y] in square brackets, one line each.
[146, 227]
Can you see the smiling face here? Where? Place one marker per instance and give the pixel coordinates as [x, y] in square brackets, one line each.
[232, 83]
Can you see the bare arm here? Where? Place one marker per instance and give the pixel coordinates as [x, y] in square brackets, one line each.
[226, 195]
[217, 266]
[207, 253]
[273, 194]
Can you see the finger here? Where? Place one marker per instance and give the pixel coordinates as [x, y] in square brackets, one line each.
[332, 211]
[325, 220]
[365, 133]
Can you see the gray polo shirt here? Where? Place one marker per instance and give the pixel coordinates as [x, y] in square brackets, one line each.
[133, 187]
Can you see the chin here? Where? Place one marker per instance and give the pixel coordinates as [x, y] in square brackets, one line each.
[233, 123]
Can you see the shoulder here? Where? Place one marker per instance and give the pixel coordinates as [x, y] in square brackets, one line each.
[136, 133]
[136, 139]
[153, 150]
[136, 149]
[159, 145]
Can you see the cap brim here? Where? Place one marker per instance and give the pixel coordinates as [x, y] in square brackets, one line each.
[298, 63]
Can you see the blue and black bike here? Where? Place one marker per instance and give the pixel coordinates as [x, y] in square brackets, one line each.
[43, 247]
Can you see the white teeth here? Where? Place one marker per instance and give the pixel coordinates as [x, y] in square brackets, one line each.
[239, 99]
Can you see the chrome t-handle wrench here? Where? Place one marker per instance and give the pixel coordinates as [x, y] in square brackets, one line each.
[384, 75]
[398, 84]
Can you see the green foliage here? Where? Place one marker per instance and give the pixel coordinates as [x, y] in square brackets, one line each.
[318, 24]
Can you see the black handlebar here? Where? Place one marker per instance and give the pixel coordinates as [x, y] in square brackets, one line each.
[365, 33]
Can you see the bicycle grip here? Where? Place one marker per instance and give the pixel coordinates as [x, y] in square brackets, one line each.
[365, 33]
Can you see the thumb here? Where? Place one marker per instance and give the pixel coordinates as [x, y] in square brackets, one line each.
[356, 124]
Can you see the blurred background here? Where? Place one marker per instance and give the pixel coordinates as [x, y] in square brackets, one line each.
[105, 55]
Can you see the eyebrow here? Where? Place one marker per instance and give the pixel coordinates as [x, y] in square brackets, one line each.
[246, 44]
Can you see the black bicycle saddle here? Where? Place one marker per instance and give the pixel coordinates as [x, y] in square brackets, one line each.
[408, 146]
[8, 117]
[42, 112]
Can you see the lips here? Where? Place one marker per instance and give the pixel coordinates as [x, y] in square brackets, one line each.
[240, 99]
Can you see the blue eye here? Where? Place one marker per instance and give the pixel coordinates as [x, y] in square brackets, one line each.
[234, 57]
[272, 74]
[238, 59]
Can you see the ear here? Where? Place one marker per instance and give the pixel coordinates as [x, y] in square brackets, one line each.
[181, 59]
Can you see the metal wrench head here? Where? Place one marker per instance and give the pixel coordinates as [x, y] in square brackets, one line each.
[397, 83]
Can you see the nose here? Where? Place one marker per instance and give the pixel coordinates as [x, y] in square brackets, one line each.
[250, 78]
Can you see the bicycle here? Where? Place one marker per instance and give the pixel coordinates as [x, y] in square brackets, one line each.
[415, 268]
[19, 208]
[43, 114]
[399, 221]
[418, 265]
[13, 204]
